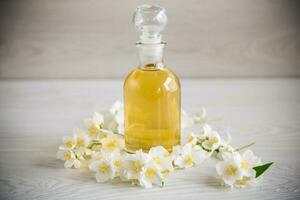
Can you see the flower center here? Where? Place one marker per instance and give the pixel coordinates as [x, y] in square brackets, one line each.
[242, 181]
[80, 142]
[117, 163]
[213, 140]
[93, 130]
[245, 164]
[67, 155]
[137, 166]
[231, 170]
[103, 169]
[102, 135]
[189, 160]
[167, 154]
[165, 172]
[156, 160]
[150, 173]
[190, 138]
[69, 144]
[111, 144]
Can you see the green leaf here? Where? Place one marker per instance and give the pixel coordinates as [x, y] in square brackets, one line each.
[261, 169]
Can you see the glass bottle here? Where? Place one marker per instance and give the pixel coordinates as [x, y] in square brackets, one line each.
[151, 91]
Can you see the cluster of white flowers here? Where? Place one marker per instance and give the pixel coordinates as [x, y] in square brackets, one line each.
[237, 170]
[113, 161]
[74, 149]
[86, 142]
[101, 144]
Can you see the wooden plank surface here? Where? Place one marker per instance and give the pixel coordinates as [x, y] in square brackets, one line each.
[34, 115]
[92, 38]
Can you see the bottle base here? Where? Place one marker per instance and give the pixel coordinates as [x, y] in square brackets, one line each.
[133, 148]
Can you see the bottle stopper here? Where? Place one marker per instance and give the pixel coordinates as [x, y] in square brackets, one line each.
[150, 21]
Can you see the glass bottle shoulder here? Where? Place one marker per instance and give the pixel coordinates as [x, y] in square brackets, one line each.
[152, 79]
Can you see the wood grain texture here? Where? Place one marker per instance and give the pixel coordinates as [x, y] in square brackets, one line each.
[92, 39]
[34, 115]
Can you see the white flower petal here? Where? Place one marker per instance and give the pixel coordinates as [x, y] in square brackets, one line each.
[141, 156]
[200, 155]
[226, 155]
[203, 112]
[158, 151]
[69, 164]
[77, 163]
[230, 170]
[102, 177]
[116, 107]
[229, 181]
[220, 167]
[110, 122]
[204, 132]
[186, 120]
[191, 138]
[207, 129]
[150, 175]
[145, 183]
[249, 156]
[94, 165]
[177, 150]
[97, 119]
[250, 173]
[128, 170]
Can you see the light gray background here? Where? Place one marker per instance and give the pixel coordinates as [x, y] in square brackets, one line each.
[95, 38]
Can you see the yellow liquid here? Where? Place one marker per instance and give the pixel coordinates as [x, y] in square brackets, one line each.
[152, 109]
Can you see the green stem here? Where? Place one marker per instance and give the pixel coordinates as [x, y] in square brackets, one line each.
[90, 146]
[120, 134]
[245, 147]
[208, 119]
[75, 155]
[216, 118]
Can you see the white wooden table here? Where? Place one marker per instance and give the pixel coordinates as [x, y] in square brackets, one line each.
[34, 115]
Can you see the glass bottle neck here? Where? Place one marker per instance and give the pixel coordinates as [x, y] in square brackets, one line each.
[151, 54]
